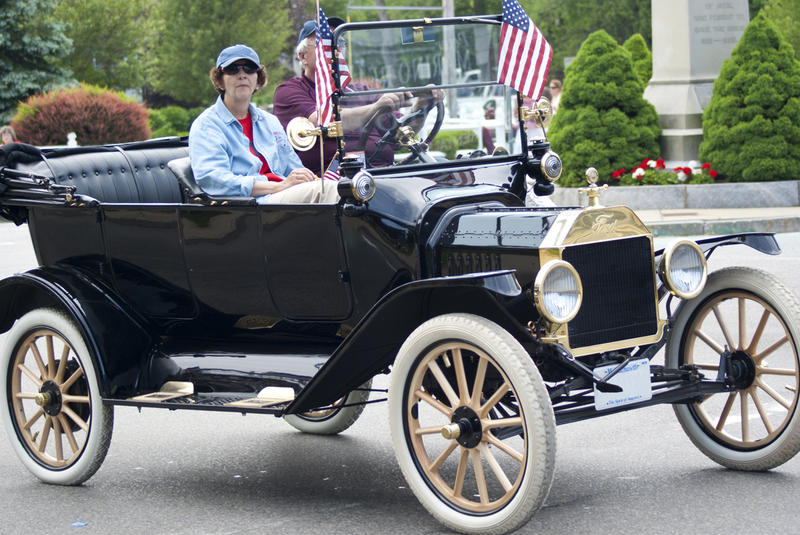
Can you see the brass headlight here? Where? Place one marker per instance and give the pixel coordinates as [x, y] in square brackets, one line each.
[551, 166]
[557, 291]
[683, 269]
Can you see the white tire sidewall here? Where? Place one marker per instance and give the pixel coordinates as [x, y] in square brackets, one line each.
[57, 321]
[422, 339]
[337, 422]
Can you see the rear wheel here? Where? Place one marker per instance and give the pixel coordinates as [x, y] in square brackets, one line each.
[472, 425]
[748, 320]
[336, 418]
[54, 414]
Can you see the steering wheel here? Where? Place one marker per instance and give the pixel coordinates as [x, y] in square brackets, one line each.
[389, 136]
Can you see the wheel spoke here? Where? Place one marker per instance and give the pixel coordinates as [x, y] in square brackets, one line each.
[444, 384]
[761, 411]
[771, 349]
[428, 430]
[495, 466]
[51, 357]
[776, 371]
[36, 415]
[742, 322]
[57, 439]
[502, 422]
[62, 364]
[75, 418]
[48, 423]
[505, 448]
[745, 415]
[709, 342]
[38, 358]
[774, 395]
[480, 478]
[68, 431]
[461, 473]
[477, 387]
[66, 398]
[722, 325]
[32, 376]
[433, 402]
[72, 378]
[461, 377]
[762, 323]
[443, 456]
[496, 397]
[726, 411]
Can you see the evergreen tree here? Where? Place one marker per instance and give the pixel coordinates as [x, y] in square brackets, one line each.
[109, 39]
[641, 57]
[30, 43]
[196, 30]
[751, 127]
[785, 14]
[603, 120]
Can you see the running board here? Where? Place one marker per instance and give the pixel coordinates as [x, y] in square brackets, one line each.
[177, 395]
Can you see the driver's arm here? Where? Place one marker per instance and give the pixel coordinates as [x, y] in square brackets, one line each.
[354, 118]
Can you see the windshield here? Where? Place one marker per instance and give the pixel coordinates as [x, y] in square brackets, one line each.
[437, 80]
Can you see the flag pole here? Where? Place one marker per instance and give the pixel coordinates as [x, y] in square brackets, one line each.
[319, 113]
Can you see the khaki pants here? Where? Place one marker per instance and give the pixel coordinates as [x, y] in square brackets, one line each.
[317, 191]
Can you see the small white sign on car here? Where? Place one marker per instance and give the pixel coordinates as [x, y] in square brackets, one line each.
[634, 379]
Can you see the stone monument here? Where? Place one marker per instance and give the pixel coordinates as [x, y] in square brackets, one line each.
[691, 39]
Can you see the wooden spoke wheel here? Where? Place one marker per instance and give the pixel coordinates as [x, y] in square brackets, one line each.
[56, 419]
[334, 419]
[746, 322]
[472, 424]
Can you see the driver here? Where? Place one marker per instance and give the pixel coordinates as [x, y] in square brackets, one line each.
[295, 98]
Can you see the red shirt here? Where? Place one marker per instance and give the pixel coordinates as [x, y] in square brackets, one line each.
[247, 126]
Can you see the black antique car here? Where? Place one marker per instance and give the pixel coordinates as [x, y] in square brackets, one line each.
[497, 320]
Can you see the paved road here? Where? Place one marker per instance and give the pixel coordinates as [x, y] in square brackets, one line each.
[189, 473]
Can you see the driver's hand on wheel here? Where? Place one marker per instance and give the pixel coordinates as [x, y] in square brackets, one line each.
[428, 98]
[393, 101]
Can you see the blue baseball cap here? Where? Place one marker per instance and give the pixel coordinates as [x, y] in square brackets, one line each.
[310, 27]
[235, 53]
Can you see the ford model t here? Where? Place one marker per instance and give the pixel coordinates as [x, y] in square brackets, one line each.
[496, 320]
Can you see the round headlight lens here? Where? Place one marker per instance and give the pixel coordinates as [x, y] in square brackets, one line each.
[683, 269]
[551, 166]
[363, 186]
[557, 291]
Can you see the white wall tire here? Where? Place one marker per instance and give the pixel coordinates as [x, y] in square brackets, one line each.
[64, 441]
[757, 426]
[496, 474]
[335, 419]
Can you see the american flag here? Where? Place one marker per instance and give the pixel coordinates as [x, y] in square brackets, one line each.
[323, 77]
[525, 55]
[332, 172]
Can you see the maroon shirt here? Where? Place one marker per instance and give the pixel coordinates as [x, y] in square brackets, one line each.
[295, 98]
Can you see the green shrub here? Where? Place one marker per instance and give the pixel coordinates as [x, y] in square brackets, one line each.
[603, 120]
[96, 115]
[172, 120]
[641, 57]
[453, 141]
[751, 127]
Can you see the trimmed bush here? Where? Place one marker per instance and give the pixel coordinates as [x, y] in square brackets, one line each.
[450, 142]
[641, 57]
[751, 127]
[172, 120]
[96, 115]
[603, 120]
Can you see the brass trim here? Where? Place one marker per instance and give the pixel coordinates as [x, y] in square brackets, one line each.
[538, 292]
[302, 134]
[664, 268]
[611, 346]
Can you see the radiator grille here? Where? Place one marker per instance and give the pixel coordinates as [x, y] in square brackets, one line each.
[618, 291]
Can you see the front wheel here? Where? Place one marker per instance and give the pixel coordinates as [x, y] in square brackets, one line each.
[749, 321]
[472, 425]
[53, 412]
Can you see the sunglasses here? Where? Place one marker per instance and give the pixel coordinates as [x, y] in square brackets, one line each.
[248, 68]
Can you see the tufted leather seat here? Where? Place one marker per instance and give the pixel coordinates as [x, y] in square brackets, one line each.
[131, 173]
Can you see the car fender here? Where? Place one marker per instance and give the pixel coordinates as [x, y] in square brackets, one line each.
[118, 342]
[373, 344]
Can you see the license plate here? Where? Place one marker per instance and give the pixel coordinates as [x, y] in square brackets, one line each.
[634, 379]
